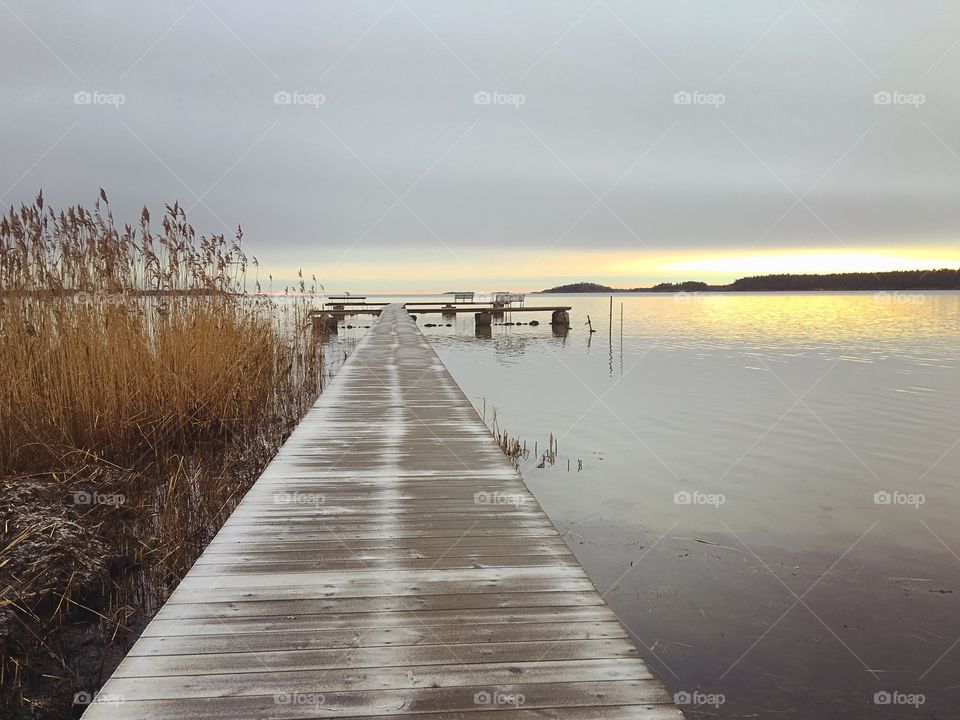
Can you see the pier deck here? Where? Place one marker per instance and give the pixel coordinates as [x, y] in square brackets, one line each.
[390, 562]
[418, 310]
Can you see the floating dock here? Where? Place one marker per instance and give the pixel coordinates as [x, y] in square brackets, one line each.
[390, 562]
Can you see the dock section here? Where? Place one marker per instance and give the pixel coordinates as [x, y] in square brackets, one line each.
[390, 562]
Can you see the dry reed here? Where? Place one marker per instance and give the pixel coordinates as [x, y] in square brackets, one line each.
[142, 391]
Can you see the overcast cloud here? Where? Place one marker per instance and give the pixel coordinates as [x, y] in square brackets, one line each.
[387, 154]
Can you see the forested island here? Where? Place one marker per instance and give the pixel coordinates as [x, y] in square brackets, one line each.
[899, 280]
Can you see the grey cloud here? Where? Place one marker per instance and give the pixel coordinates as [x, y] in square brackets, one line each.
[398, 80]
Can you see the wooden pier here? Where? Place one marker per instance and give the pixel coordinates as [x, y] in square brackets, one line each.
[444, 310]
[389, 562]
[486, 308]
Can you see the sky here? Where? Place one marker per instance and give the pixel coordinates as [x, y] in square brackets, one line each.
[411, 145]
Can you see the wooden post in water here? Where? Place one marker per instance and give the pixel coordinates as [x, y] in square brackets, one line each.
[483, 319]
[560, 318]
[323, 323]
[610, 327]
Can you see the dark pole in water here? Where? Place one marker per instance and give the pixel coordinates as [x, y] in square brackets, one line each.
[610, 335]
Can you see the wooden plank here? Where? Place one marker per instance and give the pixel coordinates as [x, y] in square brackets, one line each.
[489, 561]
[261, 709]
[389, 562]
[336, 551]
[363, 657]
[209, 592]
[393, 603]
[537, 633]
[397, 703]
[271, 682]
[415, 618]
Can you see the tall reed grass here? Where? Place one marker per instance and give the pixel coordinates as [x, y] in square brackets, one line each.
[142, 391]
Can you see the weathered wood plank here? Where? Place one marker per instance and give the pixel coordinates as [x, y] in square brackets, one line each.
[270, 682]
[421, 618]
[398, 703]
[295, 639]
[211, 593]
[362, 657]
[393, 603]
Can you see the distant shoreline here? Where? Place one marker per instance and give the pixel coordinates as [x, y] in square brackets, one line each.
[895, 281]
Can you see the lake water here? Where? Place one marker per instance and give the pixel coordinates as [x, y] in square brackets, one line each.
[764, 486]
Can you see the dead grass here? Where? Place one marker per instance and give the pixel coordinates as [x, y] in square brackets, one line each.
[142, 391]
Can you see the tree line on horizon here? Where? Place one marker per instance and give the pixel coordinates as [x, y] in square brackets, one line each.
[896, 280]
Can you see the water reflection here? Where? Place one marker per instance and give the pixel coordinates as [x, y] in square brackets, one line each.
[797, 409]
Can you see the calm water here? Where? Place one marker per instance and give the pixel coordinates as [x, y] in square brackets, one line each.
[777, 578]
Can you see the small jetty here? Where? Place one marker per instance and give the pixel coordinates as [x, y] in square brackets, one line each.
[389, 563]
[327, 319]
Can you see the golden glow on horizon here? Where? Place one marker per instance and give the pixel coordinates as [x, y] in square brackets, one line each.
[529, 269]
[817, 261]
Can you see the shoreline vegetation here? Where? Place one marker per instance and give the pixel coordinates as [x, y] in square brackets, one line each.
[894, 281]
[143, 390]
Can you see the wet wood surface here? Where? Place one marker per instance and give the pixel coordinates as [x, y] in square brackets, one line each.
[390, 562]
